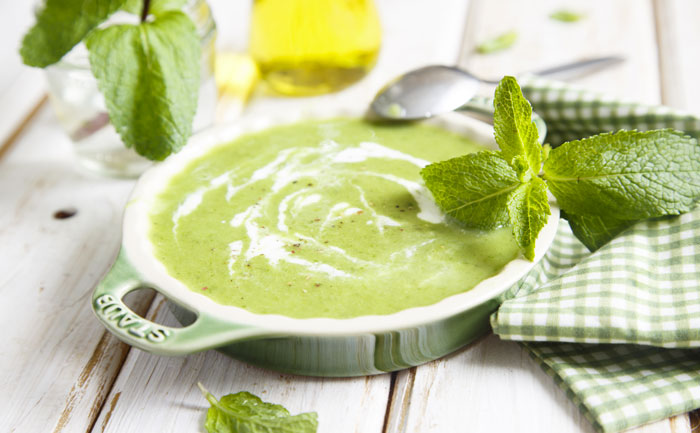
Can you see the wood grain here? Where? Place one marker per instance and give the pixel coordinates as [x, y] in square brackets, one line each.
[58, 363]
[623, 27]
[679, 62]
[22, 88]
[491, 386]
[13, 133]
[488, 387]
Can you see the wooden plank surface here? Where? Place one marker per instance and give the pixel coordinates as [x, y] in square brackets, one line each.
[491, 386]
[21, 88]
[58, 362]
[56, 365]
[679, 60]
[621, 27]
[494, 385]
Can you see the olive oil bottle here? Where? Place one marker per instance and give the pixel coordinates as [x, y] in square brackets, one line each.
[307, 47]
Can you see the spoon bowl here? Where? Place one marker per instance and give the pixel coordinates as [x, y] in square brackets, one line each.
[438, 89]
[425, 92]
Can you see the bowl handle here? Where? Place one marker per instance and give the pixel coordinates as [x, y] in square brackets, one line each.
[204, 333]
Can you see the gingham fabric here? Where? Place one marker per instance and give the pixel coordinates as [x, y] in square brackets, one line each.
[639, 294]
[622, 386]
[572, 112]
[643, 287]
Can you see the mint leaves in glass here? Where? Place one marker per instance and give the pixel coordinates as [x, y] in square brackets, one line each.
[126, 77]
[603, 184]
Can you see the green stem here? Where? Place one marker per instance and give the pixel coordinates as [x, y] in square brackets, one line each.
[144, 11]
[210, 398]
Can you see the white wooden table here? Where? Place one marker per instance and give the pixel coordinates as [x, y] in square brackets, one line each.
[61, 372]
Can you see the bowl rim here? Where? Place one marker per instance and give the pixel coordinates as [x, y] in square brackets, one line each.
[139, 250]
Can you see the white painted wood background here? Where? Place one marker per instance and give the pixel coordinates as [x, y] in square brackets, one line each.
[61, 372]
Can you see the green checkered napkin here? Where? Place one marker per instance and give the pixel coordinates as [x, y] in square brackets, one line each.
[639, 294]
[573, 112]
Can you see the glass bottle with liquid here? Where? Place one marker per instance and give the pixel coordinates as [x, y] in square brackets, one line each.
[308, 47]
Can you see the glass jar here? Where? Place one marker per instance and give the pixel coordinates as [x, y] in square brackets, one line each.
[307, 47]
[80, 107]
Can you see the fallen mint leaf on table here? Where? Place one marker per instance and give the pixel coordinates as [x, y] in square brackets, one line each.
[149, 76]
[499, 43]
[244, 412]
[566, 16]
[62, 24]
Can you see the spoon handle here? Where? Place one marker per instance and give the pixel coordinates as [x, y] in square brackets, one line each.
[478, 110]
[583, 67]
[575, 69]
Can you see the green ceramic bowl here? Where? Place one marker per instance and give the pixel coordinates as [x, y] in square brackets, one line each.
[319, 346]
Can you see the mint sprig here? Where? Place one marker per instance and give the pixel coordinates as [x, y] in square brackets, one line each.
[245, 412]
[148, 73]
[603, 184]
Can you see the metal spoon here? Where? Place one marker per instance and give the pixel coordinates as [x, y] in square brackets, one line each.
[434, 90]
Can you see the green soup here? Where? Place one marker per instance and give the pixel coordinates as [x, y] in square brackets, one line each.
[322, 219]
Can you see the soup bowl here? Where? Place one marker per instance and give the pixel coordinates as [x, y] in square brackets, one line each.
[362, 345]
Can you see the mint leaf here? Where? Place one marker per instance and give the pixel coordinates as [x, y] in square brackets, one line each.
[628, 175]
[594, 230]
[133, 6]
[516, 133]
[160, 6]
[473, 188]
[499, 43]
[244, 412]
[528, 208]
[149, 76]
[157, 6]
[566, 16]
[60, 25]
